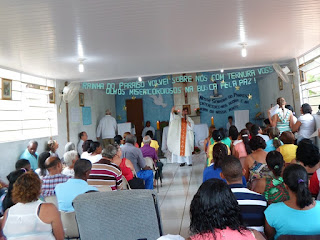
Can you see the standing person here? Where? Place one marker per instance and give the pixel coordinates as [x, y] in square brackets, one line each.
[180, 137]
[288, 149]
[300, 214]
[230, 122]
[148, 128]
[107, 129]
[83, 136]
[306, 124]
[283, 119]
[31, 154]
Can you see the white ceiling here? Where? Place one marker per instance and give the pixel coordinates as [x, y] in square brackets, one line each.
[125, 38]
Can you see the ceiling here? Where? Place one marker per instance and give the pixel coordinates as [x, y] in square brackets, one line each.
[125, 39]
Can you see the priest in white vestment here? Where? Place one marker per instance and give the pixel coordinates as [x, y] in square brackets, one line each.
[180, 137]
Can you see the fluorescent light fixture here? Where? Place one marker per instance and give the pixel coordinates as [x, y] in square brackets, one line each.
[244, 49]
[140, 79]
[81, 67]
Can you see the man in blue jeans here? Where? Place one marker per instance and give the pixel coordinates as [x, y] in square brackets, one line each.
[134, 154]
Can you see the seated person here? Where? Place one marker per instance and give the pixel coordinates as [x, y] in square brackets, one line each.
[23, 163]
[118, 140]
[274, 141]
[41, 170]
[52, 147]
[256, 131]
[252, 204]
[154, 143]
[104, 172]
[300, 214]
[217, 138]
[272, 187]
[30, 218]
[225, 139]
[124, 139]
[83, 136]
[68, 191]
[31, 154]
[288, 149]
[70, 159]
[134, 154]
[148, 128]
[85, 148]
[49, 182]
[241, 146]
[12, 178]
[94, 152]
[148, 151]
[219, 153]
[214, 214]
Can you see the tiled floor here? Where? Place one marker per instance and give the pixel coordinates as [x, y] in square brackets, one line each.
[178, 188]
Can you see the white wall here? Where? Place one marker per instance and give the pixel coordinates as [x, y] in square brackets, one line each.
[96, 99]
[269, 90]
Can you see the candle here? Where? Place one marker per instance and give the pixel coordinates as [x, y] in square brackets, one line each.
[158, 125]
[212, 121]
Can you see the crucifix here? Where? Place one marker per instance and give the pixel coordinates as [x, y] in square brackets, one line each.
[185, 93]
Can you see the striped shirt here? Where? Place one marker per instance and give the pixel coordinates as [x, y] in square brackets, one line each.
[104, 172]
[49, 182]
[252, 206]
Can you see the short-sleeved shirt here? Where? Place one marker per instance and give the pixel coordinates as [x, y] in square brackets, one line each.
[270, 146]
[134, 155]
[307, 126]
[154, 144]
[33, 159]
[104, 172]
[288, 152]
[148, 151]
[252, 206]
[240, 148]
[49, 183]
[210, 173]
[288, 221]
[68, 191]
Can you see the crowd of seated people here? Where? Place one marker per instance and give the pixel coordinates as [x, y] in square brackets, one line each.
[282, 175]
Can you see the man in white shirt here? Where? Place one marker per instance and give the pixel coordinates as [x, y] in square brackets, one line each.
[107, 129]
[83, 136]
[148, 128]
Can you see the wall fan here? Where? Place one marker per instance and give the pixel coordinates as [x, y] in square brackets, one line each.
[70, 92]
[283, 73]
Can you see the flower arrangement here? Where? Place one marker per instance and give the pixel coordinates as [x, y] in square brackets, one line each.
[196, 150]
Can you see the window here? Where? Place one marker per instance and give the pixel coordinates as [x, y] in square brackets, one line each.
[309, 64]
[28, 115]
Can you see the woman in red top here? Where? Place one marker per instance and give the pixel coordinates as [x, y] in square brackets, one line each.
[124, 164]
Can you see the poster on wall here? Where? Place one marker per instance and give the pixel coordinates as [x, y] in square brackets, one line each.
[86, 116]
[75, 115]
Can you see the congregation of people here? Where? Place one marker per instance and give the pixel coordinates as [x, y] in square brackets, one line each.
[258, 183]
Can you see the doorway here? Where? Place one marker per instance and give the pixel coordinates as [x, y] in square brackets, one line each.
[135, 115]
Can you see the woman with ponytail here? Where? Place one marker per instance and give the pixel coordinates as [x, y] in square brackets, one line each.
[219, 152]
[274, 141]
[94, 152]
[241, 147]
[217, 138]
[300, 214]
[273, 187]
[283, 119]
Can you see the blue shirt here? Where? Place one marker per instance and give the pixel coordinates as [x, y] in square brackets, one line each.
[210, 172]
[68, 191]
[289, 221]
[270, 146]
[31, 158]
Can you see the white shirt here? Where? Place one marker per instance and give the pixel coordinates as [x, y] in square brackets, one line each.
[79, 147]
[229, 125]
[107, 127]
[146, 129]
[307, 126]
[93, 158]
[68, 171]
